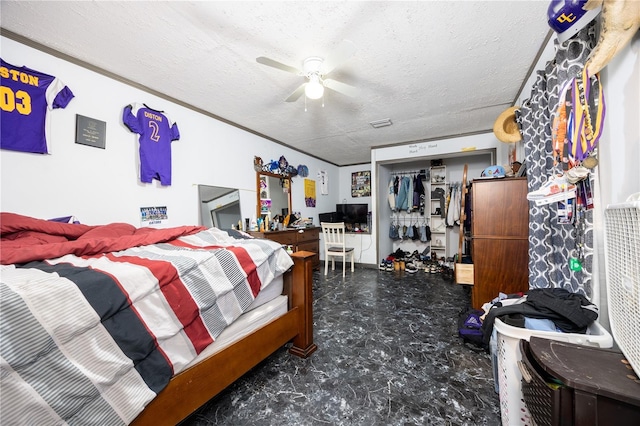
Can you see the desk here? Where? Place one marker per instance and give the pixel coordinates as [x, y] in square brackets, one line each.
[305, 239]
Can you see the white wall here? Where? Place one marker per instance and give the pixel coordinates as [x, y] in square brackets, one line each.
[102, 185]
[619, 150]
[363, 244]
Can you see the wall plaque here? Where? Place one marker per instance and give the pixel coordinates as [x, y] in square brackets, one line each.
[90, 131]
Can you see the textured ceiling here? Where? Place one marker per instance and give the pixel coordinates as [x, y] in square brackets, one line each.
[435, 68]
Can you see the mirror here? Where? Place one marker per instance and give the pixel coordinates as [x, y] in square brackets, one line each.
[219, 206]
[273, 195]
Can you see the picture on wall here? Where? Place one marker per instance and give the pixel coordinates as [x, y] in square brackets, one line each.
[153, 215]
[361, 184]
[309, 193]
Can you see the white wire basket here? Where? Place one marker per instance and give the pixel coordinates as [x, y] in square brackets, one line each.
[622, 259]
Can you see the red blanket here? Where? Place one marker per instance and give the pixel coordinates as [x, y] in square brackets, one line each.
[24, 239]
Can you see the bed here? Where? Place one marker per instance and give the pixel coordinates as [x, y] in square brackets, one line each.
[115, 324]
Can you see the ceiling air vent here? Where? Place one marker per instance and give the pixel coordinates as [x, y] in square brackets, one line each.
[381, 123]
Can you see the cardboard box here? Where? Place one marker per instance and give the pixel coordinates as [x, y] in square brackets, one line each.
[464, 273]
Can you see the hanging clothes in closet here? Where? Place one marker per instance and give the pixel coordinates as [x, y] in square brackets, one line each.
[418, 193]
[453, 208]
[406, 193]
[393, 192]
[402, 199]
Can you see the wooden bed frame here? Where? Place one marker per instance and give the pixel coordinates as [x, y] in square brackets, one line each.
[196, 385]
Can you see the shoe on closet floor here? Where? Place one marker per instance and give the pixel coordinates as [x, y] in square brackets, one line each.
[411, 268]
[383, 265]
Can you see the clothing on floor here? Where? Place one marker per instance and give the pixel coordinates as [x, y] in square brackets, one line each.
[571, 312]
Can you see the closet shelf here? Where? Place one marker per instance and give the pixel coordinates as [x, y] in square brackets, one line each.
[438, 182]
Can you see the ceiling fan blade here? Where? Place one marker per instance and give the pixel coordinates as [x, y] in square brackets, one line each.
[345, 50]
[279, 65]
[296, 93]
[340, 87]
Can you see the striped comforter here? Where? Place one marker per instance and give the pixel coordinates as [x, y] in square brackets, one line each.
[91, 339]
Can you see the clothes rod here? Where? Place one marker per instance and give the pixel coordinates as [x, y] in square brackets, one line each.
[409, 172]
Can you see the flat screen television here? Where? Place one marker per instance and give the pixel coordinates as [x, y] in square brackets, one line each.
[352, 213]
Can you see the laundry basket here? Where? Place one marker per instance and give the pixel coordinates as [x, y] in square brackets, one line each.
[512, 406]
[622, 259]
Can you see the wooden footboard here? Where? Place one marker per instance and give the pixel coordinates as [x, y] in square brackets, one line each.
[196, 385]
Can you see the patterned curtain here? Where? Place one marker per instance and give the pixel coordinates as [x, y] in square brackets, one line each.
[551, 245]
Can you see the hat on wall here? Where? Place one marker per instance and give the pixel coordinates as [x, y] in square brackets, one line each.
[567, 17]
[506, 127]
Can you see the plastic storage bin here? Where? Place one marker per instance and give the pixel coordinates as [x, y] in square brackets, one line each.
[512, 406]
[596, 388]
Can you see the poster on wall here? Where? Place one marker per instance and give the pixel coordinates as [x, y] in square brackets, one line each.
[153, 215]
[361, 184]
[309, 192]
[323, 178]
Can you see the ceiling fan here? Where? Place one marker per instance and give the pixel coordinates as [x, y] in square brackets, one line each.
[315, 69]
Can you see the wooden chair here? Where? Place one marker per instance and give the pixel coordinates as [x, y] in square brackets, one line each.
[334, 246]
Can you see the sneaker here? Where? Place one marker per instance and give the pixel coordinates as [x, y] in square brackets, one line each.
[438, 228]
[555, 185]
[399, 254]
[577, 174]
[411, 268]
[383, 265]
[389, 265]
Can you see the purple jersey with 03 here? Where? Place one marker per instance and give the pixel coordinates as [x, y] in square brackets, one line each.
[156, 132]
[25, 97]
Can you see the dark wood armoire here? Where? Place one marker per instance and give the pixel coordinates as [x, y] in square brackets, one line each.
[499, 238]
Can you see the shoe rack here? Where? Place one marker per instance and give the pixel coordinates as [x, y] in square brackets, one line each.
[437, 208]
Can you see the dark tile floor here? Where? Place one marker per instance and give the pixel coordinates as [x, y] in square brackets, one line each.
[388, 354]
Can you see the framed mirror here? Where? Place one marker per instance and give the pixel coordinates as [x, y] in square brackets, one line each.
[219, 207]
[273, 196]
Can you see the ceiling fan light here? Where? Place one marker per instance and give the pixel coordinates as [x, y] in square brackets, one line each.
[314, 89]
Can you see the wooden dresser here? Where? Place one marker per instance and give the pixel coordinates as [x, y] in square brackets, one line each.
[499, 238]
[307, 239]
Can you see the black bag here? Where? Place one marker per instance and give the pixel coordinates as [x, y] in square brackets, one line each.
[470, 327]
